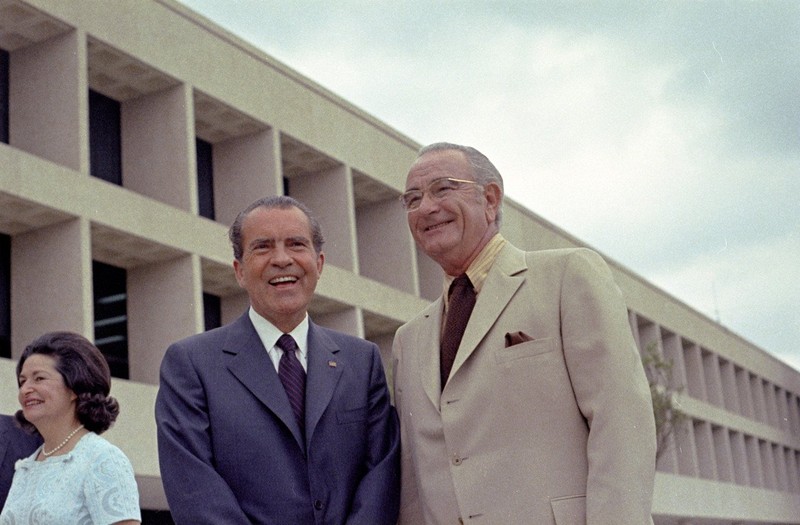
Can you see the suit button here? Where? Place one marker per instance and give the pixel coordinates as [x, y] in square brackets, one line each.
[317, 504]
[457, 460]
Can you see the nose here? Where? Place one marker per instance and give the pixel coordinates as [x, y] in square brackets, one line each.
[281, 256]
[24, 389]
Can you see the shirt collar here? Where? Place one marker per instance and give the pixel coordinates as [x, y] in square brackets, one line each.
[269, 334]
[478, 270]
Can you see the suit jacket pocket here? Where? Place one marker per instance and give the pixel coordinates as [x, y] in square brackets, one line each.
[569, 510]
[527, 349]
[351, 415]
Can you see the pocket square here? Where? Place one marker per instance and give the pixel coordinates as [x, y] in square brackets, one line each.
[515, 338]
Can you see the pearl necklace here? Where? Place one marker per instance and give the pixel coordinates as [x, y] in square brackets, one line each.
[47, 454]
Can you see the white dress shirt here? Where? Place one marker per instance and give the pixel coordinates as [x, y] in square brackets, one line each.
[269, 335]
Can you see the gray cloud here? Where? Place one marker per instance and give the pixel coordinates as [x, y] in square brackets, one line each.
[663, 134]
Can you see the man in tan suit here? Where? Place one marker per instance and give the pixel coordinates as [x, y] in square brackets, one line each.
[545, 415]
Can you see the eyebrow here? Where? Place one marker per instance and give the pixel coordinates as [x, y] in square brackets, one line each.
[272, 241]
[431, 181]
[261, 240]
[33, 372]
[417, 188]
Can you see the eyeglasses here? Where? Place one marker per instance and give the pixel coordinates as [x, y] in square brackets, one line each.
[438, 189]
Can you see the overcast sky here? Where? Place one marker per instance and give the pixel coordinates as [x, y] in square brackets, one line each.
[665, 135]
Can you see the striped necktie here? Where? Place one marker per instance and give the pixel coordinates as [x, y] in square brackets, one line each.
[293, 377]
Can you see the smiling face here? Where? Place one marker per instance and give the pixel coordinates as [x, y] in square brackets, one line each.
[43, 396]
[279, 267]
[452, 231]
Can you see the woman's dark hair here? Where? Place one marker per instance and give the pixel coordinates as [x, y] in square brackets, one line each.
[85, 372]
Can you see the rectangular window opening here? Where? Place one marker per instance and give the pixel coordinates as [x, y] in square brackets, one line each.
[205, 178]
[111, 316]
[5, 296]
[105, 138]
[212, 311]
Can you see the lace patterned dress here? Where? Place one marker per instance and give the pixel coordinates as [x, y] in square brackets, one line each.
[93, 484]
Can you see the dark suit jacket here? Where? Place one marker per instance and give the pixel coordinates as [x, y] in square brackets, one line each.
[15, 444]
[231, 452]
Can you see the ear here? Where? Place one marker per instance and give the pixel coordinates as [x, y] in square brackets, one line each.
[239, 271]
[493, 195]
[320, 262]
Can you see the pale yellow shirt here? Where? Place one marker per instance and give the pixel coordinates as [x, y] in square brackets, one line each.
[478, 271]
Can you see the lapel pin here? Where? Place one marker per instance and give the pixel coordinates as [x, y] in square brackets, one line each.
[332, 364]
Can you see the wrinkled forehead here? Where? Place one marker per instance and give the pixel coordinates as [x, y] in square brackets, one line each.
[436, 165]
[285, 217]
[278, 223]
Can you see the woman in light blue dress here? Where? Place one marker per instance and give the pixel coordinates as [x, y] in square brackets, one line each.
[76, 476]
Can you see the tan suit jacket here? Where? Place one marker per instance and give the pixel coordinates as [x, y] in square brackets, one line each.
[547, 416]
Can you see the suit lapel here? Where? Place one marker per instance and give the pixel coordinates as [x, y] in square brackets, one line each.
[426, 350]
[505, 277]
[324, 370]
[250, 364]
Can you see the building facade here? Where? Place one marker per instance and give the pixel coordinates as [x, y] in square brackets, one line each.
[131, 133]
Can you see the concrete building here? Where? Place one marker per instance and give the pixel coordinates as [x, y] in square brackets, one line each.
[133, 132]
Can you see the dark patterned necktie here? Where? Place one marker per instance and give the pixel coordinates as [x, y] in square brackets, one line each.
[460, 304]
[293, 377]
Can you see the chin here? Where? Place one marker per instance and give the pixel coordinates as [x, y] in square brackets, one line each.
[438, 247]
[31, 418]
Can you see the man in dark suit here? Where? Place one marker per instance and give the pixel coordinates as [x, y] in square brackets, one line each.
[15, 444]
[520, 391]
[236, 444]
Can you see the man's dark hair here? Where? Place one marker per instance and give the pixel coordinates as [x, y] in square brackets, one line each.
[282, 202]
